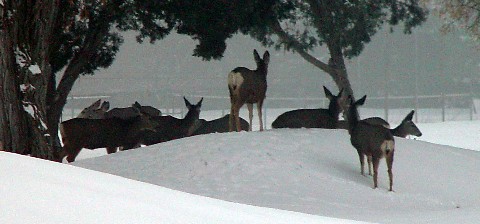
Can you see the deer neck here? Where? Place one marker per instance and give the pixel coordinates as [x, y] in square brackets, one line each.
[353, 118]
[262, 72]
[190, 120]
[399, 131]
[333, 110]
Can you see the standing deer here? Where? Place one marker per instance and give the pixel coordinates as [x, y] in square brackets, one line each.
[95, 111]
[219, 125]
[170, 128]
[248, 86]
[312, 118]
[78, 133]
[374, 141]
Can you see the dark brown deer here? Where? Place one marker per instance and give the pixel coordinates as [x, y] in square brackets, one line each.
[170, 128]
[374, 141]
[78, 133]
[312, 118]
[248, 86]
[95, 111]
[405, 128]
[219, 125]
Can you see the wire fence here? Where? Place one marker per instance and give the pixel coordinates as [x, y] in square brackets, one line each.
[429, 108]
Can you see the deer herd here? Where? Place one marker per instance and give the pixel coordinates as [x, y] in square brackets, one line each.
[125, 128]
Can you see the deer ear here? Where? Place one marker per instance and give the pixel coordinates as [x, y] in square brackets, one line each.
[328, 94]
[361, 101]
[199, 104]
[95, 104]
[188, 104]
[266, 57]
[256, 56]
[409, 117]
[105, 106]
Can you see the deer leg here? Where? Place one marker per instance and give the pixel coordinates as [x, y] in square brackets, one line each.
[231, 119]
[259, 111]
[369, 161]
[72, 154]
[232, 113]
[236, 121]
[375, 171]
[250, 116]
[362, 162]
[389, 160]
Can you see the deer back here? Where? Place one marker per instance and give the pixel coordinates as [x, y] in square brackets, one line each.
[219, 125]
[312, 118]
[129, 112]
[370, 139]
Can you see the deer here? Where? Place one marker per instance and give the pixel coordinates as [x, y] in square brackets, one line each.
[127, 112]
[95, 110]
[405, 128]
[313, 118]
[373, 141]
[78, 133]
[248, 86]
[219, 125]
[170, 128]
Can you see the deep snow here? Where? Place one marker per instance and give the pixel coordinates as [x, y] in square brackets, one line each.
[306, 171]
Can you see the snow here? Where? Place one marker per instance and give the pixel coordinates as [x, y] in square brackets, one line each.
[276, 176]
[35, 69]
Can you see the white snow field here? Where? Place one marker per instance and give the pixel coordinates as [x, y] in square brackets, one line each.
[276, 176]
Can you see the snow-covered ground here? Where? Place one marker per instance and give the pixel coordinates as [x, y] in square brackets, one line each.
[314, 174]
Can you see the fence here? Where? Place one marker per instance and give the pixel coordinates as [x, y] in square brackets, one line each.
[429, 108]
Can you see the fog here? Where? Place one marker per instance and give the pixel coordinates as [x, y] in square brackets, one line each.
[424, 63]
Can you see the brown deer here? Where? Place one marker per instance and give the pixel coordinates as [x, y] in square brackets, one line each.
[95, 111]
[405, 128]
[128, 112]
[374, 141]
[170, 128]
[78, 133]
[219, 125]
[312, 118]
[248, 86]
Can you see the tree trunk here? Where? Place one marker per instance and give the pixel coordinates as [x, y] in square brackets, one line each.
[13, 127]
[336, 66]
[25, 69]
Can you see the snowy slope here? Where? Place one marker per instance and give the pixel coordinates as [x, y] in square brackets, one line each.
[38, 191]
[310, 171]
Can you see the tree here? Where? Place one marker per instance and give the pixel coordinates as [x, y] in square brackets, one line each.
[459, 14]
[343, 27]
[45, 41]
